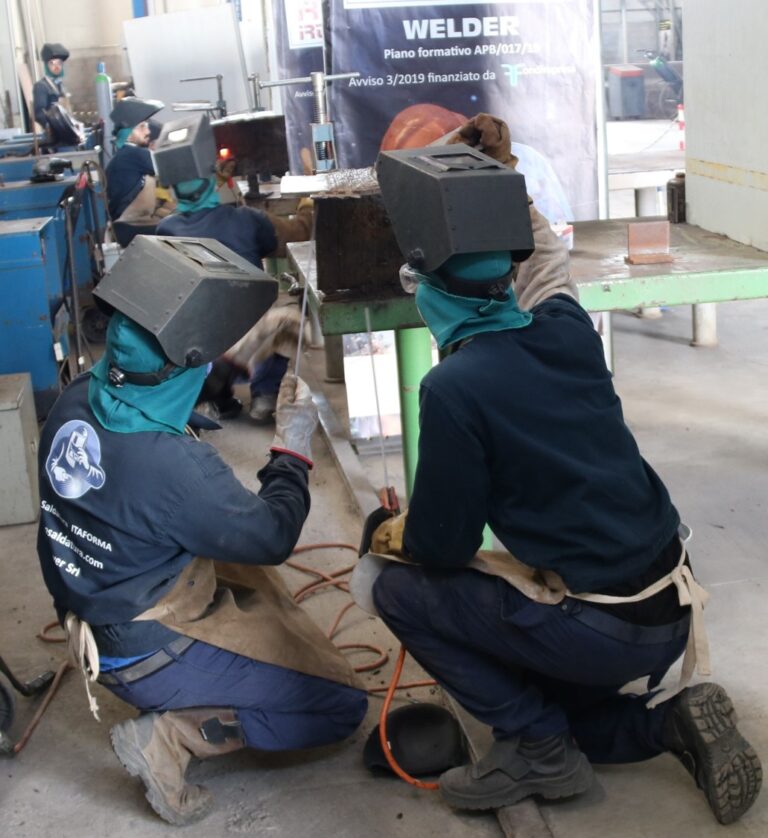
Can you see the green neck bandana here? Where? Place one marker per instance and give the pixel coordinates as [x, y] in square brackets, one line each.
[131, 408]
[208, 200]
[451, 318]
[121, 137]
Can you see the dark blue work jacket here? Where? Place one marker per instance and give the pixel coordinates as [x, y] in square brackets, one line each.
[125, 177]
[245, 230]
[45, 92]
[523, 429]
[123, 514]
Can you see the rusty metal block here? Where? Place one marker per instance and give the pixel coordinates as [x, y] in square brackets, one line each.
[648, 243]
[357, 255]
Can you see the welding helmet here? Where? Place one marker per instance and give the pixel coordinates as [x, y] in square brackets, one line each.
[195, 296]
[131, 111]
[185, 151]
[425, 740]
[455, 212]
[51, 51]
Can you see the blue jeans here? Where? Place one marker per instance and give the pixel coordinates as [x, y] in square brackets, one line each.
[279, 709]
[267, 375]
[528, 669]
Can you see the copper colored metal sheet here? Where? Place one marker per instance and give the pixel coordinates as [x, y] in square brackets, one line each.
[648, 243]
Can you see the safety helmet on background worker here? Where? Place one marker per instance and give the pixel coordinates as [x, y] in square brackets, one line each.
[131, 111]
[51, 51]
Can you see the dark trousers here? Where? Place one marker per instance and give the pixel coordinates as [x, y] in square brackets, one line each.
[528, 669]
[279, 709]
[267, 375]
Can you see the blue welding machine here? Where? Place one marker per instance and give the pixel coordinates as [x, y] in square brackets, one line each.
[34, 319]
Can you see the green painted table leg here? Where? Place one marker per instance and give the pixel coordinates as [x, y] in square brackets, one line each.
[414, 360]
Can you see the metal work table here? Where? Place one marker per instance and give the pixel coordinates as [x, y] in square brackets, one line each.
[707, 269]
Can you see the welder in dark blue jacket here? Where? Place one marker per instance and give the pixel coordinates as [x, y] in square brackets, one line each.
[185, 157]
[135, 509]
[131, 181]
[521, 429]
[50, 88]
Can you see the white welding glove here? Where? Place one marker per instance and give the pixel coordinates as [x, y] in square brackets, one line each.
[295, 419]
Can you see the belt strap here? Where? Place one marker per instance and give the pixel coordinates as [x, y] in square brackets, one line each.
[689, 592]
[149, 665]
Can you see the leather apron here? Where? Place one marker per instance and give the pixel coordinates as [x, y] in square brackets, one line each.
[248, 610]
[142, 211]
[548, 588]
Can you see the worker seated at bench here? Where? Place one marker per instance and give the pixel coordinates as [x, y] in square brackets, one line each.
[131, 181]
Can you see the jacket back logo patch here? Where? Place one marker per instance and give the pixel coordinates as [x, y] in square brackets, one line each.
[72, 465]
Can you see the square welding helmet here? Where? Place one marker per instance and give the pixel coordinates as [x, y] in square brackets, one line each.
[452, 199]
[185, 150]
[196, 296]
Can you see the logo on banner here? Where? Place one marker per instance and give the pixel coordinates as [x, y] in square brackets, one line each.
[305, 23]
[73, 461]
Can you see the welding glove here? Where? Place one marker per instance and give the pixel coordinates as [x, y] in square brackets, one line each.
[490, 135]
[388, 536]
[295, 419]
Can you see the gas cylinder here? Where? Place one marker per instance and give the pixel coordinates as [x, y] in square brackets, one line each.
[676, 198]
[104, 105]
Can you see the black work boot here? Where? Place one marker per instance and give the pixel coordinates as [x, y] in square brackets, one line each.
[700, 729]
[158, 748]
[514, 769]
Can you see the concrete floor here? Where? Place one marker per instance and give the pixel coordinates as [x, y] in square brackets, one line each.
[700, 418]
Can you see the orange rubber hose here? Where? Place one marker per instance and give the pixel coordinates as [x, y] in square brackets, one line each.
[385, 747]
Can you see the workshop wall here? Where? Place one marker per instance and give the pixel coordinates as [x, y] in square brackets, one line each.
[726, 119]
[92, 30]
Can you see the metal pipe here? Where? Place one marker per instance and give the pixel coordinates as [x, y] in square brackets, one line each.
[704, 324]
[75, 313]
[319, 109]
[414, 360]
[255, 91]
[306, 80]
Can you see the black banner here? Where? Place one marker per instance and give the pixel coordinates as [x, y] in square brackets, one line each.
[427, 67]
[299, 28]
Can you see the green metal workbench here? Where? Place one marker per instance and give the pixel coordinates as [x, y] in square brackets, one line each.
[707, 269]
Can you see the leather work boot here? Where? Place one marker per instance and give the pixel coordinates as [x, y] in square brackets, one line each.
[700, 729]
[263, 409]
[514, 769]
[157, 748]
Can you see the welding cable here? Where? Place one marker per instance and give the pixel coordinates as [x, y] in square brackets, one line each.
[386, 747]
[323, 581]
[326, 580]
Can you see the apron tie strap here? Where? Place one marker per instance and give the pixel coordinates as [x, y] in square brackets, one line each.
[83, 655]
[689, 593]
[696, 657]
